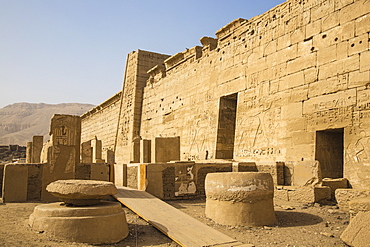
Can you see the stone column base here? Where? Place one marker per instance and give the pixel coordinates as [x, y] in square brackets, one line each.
[98, 224]
[260, 213]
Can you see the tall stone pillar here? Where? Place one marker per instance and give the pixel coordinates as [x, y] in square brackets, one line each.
[97, 151]
[37, 144]
[65, 132]
[29, 152]
[145, 151]
[86, 152]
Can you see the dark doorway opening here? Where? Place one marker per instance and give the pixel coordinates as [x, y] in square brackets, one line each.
[329, 152]
[226, 127]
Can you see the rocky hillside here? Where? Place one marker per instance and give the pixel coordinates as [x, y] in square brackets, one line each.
[21, 121]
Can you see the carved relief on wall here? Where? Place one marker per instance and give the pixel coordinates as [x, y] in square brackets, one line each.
[357, 156]
[358, 149]
[258, 134]
[200, 147]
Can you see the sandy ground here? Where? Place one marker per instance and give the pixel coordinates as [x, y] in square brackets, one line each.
[298, 225]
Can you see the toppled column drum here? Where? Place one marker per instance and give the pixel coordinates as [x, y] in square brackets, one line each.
[240, 198]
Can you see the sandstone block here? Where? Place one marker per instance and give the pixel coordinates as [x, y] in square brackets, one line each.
[357, 205]
[81, 192]
[29, 152]
[145, 151]
[357, 78]
[165, 149]
[343, 196]
[120, 174]
[358, 231]
[99, 172]
[86, 152]
[306, 173]
[362, 25]
[104, 223]
[364, 61]
[326, 55]
[358, 44]
[15, 183]
[37, 144]
[243, 198]
[334, 184]
[307, 194]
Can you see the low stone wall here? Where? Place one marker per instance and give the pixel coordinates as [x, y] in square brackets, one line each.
[179, 180]
[23, 182]
[95, 171]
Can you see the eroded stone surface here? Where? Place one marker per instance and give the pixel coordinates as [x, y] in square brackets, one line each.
[357, 205]
[103, 223]
[81, 192]
[242, 198]
[358, 231]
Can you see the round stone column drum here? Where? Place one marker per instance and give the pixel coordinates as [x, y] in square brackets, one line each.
[103, 223]
[240, 198]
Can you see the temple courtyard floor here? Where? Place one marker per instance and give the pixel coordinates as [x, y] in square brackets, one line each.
[297, 225]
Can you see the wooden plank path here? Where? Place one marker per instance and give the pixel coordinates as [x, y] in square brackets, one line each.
[180, 227]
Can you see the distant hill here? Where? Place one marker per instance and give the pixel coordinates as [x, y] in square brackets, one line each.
[21, 121]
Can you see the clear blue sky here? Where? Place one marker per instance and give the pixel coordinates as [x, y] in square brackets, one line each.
[64, 51]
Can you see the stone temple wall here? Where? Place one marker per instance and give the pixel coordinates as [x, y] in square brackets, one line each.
[290, 85]
[267, 86]
[101, 122]
[116, 121]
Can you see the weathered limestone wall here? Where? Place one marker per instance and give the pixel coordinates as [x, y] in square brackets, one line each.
[116, 122]
[101, 122]
[302, 67]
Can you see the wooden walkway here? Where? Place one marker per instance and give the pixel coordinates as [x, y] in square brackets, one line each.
[180, 227]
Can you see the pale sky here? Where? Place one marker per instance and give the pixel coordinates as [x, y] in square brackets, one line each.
[74, 51]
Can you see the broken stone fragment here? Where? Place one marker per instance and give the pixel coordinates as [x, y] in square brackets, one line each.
[81, 192]
[358, 230]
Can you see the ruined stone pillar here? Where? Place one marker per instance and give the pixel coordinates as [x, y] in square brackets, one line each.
[109, 156]
[145, 151]
[135, 150]
[96, 151]
[240, 198]
[37, 144]
[64, 153]
[29, 152]
[86, 152]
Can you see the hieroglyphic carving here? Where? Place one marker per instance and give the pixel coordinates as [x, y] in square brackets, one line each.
[341, 99]
[326, 110]
[363, 100]
[331, 116]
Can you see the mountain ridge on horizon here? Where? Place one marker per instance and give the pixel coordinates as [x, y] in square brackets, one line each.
[19, 122]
